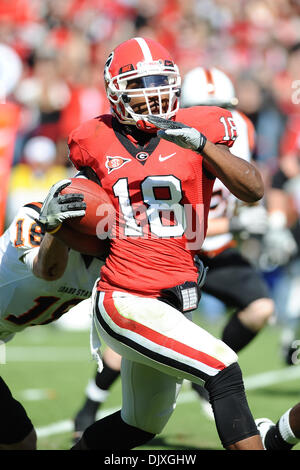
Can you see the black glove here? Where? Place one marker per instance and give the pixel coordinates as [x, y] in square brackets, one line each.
[57, 208]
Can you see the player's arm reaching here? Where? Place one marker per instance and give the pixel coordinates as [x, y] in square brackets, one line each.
[52, 259]
[44, 255]
[58, 208]
[239, 176]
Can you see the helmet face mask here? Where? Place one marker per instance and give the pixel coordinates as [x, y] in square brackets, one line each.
[147, 85]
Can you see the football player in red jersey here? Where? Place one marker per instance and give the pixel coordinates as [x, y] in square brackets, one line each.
[230, 278]
[158, 164]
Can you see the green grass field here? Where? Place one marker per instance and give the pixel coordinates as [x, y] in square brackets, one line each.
[47, 369]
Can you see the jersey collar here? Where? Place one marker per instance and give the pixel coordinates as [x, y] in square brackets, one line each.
[135, 149]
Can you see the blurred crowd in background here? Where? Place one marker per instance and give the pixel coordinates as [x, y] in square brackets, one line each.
[62, 47]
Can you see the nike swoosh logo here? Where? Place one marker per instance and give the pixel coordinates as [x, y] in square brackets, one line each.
[162, 159]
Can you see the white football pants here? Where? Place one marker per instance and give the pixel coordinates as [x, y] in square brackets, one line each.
[160, 347]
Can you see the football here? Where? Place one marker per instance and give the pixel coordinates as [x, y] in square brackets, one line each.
[85, 244]
[100, 212]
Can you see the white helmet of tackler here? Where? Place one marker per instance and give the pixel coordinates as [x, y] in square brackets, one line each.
[210, 87]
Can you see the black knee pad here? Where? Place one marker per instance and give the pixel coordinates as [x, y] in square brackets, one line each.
[14, 422]
[233, 417]
[112, 433]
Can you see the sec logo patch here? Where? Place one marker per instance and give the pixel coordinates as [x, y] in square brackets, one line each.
[114, 163]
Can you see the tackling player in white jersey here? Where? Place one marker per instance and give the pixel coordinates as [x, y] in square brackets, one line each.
[41, 302]
[40, 280]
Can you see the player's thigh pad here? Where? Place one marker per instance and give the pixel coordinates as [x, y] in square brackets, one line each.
[14, 422]
[153, 333]
[149, 396]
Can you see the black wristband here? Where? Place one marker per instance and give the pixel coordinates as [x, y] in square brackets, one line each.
[203, 141]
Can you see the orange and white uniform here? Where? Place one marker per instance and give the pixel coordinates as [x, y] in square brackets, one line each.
[26, 300]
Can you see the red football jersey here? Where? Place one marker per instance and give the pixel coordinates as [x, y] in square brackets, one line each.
[161, 193]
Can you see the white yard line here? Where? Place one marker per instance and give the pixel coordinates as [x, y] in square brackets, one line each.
[272, 377]
[36, 394]
[67, 425]
[47, 354]
[186, 396]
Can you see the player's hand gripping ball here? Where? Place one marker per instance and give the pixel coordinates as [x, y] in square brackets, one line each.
[100, 213]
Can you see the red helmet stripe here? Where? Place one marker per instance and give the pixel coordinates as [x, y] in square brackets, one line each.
[210, 81]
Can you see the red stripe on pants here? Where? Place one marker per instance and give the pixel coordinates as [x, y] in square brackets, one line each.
[158, 338]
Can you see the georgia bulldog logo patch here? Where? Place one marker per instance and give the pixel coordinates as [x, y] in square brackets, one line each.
[142, 156]
[114, 163]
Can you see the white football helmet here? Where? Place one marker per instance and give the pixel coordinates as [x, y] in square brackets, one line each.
[210, 87]
[151, 68]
